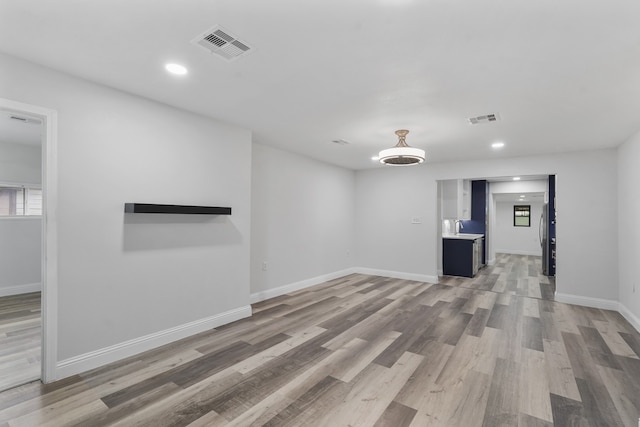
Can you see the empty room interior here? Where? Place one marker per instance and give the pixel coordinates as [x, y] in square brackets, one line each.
[382, 213]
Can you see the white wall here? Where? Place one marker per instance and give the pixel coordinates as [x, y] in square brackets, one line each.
[303, 217]
[20, 238]
[628, 230]
[122, 277]
[586, 183]
[20, 163]
[516, 240]
[529, 186]
[20, 247]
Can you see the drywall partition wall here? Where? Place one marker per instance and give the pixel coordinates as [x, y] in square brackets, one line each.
[20, 238]
[388, 198]
[628, 231]
[302, 222]
[517, 240]
[20, 248]
[20, 163]
[396, 228]
[513, 187]
[125, 280]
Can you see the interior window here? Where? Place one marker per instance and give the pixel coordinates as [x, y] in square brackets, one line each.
[522, 216]
[20, 201]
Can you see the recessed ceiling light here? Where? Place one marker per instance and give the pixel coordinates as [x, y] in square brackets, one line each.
[516, 178]
[522, 196]
[497, 145]
[176, 69]
[375, 158]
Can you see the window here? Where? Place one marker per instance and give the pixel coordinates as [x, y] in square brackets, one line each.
[522, 216]
[20, 201]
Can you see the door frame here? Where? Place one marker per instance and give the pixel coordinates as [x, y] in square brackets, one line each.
[49, 252]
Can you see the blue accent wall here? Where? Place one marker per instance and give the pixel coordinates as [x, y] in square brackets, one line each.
[478, 222]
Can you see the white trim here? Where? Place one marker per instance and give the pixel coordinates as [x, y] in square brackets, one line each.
[510, 252]
[397, 274]
[20, 217]
[491, 261]
[49, 253]
[605, 304]
[6, 291]
[631, 318]
[104, 356]
[296, 286]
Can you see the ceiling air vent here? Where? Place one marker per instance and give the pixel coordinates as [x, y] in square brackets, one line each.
[484, 119]
[222, 43]
[340, 142]
[28, 120]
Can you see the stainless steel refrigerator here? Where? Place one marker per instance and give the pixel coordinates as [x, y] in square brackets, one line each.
[547, 234]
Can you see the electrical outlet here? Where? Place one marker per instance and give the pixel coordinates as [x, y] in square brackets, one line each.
[416, 220]
[264, 265]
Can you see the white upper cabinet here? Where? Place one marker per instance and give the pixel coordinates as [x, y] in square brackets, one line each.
[456, 199]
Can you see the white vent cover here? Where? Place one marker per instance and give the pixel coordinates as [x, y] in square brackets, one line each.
[222, 43]
[484, 119]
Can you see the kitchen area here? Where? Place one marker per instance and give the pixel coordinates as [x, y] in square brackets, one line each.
[475, 222]
[464, 225]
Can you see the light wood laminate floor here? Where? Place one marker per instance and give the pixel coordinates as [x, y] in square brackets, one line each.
[20, 339]
[371, 351]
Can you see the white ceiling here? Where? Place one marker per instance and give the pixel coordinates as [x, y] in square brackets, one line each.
[563, 75]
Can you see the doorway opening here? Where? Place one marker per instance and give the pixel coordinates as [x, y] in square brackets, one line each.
[20, 248]
[28, 285]
[511, 220]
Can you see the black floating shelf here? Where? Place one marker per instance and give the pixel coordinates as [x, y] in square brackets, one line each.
[151, 208]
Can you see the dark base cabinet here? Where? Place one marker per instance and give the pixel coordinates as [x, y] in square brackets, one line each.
[457, 257]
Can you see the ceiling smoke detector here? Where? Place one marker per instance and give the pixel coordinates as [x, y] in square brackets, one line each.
[222, 43]
[488, 118]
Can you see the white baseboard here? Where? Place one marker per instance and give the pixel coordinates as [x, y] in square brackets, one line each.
[631, 318]
[605, 304]
[296, 286]
[491, 261]
[97, 358]
[397, 274]
[529, 253]
[281, 290]
[20, 289]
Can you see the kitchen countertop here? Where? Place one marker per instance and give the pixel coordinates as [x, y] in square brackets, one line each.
[463, 236]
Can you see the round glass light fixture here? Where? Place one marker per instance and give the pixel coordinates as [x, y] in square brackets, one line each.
[401, 154]
[176, 69]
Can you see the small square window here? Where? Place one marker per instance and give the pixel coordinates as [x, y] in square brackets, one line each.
[522, 215]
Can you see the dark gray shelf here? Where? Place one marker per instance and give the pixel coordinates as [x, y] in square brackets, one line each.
[152, 208]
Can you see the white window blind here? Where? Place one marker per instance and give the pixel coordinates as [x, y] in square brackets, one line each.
[20, 201]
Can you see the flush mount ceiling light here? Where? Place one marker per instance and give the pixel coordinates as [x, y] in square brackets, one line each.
[401, 154]
[497, 145]
[176, 69]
